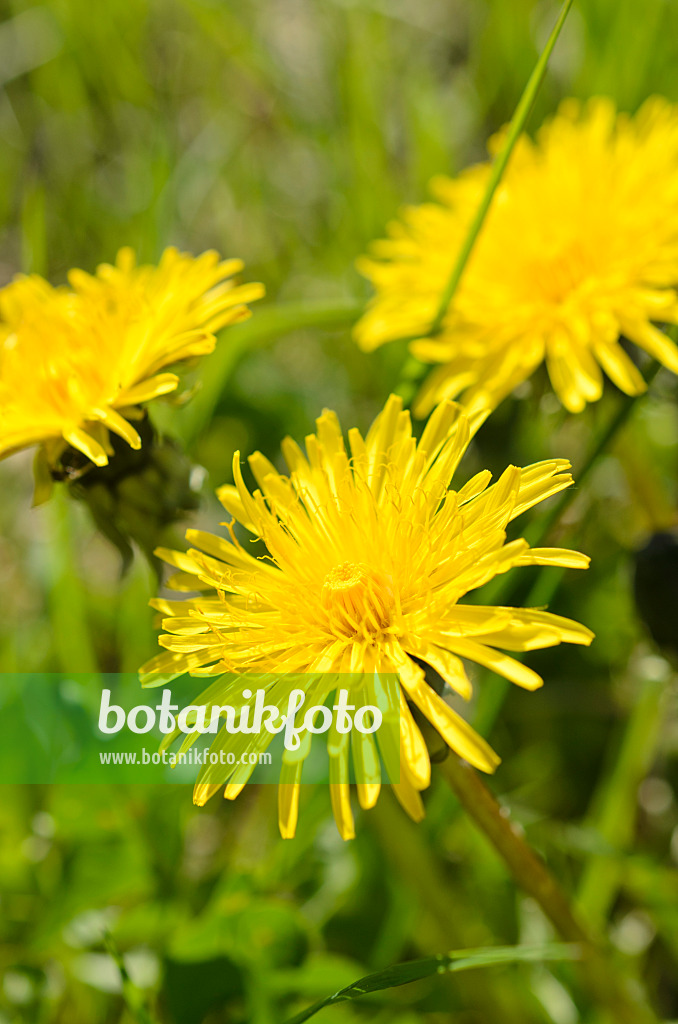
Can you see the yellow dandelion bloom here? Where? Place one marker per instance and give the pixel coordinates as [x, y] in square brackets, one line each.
[579, 250]
[75, 360]
[371, 554]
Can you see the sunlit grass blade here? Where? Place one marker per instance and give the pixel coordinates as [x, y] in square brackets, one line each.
[445, 963]
[498, 167]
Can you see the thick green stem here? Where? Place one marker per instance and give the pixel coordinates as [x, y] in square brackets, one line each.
[611, 988]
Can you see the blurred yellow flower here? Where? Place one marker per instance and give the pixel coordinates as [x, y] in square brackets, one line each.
[370, 555]
[74, 361]
[579, 250]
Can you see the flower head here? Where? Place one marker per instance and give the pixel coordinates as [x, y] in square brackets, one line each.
[371, 555]
[74, 361]
[579, 250]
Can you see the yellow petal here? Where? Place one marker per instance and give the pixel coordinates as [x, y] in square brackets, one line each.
[119, 425]
[500, 663]
[620, 369]
[409, 799]
[413, 751]
[161, 384]
[448, 666]
[655, 342]
[288, 807]
[555, 556]
[456, 732]
[341, 808]
[86, 444]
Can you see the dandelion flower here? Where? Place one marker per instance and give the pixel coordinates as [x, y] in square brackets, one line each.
[579, 250]
[75, 361]
[371, 554]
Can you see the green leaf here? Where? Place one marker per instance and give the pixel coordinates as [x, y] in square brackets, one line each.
[444, 963]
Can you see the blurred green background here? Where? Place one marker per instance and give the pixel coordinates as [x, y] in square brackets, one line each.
[288, 134]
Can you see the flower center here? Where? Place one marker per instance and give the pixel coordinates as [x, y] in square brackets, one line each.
[557, 276]
[359, 600]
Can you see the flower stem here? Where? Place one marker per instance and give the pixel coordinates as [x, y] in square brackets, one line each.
[613, 991]
[515, 129]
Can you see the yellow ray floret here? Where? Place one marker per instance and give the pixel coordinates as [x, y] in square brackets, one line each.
[579, 250]
[73, 360]
[371, 554]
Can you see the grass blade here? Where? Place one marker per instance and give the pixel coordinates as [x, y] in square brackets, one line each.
[444, 963]
[499, 166]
